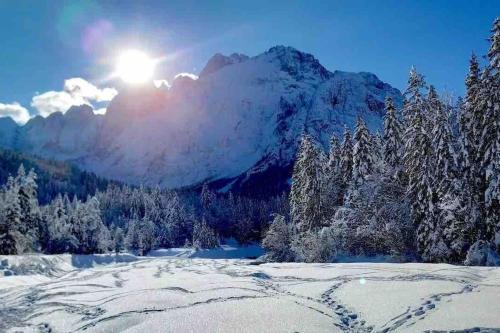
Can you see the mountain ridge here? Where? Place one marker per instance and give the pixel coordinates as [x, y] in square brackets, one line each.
[238, 122]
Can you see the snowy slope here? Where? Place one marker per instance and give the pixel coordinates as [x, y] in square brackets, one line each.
[240, 119]
[175, 294]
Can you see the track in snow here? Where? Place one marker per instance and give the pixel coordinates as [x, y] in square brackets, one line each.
[177, 294]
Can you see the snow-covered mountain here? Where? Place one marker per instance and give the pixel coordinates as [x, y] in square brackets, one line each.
[237, 126]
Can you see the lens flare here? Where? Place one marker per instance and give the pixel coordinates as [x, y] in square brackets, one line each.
[135, 67]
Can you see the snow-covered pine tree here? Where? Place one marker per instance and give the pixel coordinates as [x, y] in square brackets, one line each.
[489, 149]
[433, 106]
[455, 222]
[472, 193]
[468, 120]
[393, 136]
[204, 237]
[30, 210]
[444, 151]
[132, 236]
[170, 227]
[12, 241]
[414, 103]
[378, 151]
[306, 201]
[454, 231]
[419, 168]
[58, 235]
[364, 165]
[346, 157]
[494, 51]
[207, 197]
[88, 228]
[118, 239]
[334, 156]
[363, 156]
[333, 185]
[492, 196]
[140, 236]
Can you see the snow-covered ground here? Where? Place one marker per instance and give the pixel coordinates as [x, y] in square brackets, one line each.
[173, 291]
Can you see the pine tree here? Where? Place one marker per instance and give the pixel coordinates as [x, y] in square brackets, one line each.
[433, 107]
[468, 120]
[12, 241]
[470, 125]
[494, 51]
[414, 104]
[489, 149]
[88, 228]
[170, 227]
[333, 184]
[30, 210]
[207, 197]
[140, 236]
[306, 202]
[204, 237]
[455, 223]
[445, 156]
[392, 139]
[58, 236]
[118, 239]
[334, 156]
[419, 168]
[363, 160]
[346, 157]
[453, 232]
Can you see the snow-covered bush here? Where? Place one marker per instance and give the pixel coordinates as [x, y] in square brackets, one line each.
[313, 246]
[278, 240]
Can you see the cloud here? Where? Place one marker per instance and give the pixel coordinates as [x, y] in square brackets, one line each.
[100, 111]
[81, 88]
[55, 101]
[76, 91]
[189, 75]
[16, 111]
[161, 83]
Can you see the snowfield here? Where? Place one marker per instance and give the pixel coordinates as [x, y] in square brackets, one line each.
[174, 292]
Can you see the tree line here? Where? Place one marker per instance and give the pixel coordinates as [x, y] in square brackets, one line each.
[121, 217]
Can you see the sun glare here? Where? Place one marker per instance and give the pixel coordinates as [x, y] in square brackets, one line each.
[135, 67]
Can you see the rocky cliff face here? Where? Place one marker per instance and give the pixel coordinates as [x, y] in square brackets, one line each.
[237, 126]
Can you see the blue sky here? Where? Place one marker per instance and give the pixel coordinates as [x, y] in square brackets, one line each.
[46, 42]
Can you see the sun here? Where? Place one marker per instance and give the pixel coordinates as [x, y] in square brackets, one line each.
[135, 67]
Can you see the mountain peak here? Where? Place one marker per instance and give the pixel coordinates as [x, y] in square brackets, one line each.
[296, 62]
[219, 60]
[7, 122]
[81, 111]
[280, 49]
